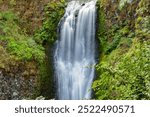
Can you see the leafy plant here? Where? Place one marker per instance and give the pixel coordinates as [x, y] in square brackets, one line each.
[17, 42]
[127, 77]
[53, 13]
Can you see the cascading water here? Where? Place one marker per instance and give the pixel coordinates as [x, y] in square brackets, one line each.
[74, 57]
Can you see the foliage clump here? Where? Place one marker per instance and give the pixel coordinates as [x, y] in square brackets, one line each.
[16, 41]
[124, 76]
[53, 13]
[123, 69]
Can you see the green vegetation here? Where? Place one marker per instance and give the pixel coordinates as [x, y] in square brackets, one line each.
[17, 44]
[123, 70]
[124, 75]
[53, 13]
[16, 41]
[17, 48]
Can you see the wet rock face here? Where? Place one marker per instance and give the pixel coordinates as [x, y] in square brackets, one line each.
[16, 85]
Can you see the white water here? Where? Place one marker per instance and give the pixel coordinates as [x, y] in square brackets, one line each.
[75, 52]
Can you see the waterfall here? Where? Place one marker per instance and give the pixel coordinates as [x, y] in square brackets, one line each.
[74, 56]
